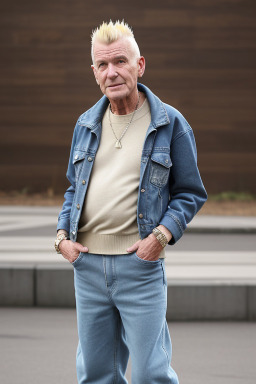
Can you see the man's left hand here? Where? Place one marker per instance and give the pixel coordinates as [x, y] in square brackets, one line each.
[147, 249]
[150, 248]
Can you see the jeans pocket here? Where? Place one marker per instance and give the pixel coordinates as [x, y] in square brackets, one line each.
[149, 262]
[77, 260]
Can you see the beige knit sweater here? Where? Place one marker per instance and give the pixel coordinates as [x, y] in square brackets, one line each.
[108, 223]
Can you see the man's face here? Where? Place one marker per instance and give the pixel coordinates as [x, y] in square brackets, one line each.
[116, 69]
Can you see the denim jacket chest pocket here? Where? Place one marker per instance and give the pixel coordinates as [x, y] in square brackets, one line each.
[78, 159]
[160, 166]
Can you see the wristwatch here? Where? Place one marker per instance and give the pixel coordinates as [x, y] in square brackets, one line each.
[58, 240]
[160, 237]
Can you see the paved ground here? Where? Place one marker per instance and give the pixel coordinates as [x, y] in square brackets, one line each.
[38, 346]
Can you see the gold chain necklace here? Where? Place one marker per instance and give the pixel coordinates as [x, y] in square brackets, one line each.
[118, 144]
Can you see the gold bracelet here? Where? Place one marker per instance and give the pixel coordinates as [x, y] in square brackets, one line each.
[160, 237]
[58, 240]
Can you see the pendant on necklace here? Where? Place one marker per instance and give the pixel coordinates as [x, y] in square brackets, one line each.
[118, 144]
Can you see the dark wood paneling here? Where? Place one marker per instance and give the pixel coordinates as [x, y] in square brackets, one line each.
[201, 58]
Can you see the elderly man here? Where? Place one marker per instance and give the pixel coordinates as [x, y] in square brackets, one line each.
[134, 186]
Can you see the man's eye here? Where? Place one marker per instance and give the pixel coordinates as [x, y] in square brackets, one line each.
[101, 65]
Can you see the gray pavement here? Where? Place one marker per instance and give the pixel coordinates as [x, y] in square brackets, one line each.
[38, 345]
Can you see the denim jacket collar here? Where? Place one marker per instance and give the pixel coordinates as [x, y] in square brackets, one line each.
[93, 117]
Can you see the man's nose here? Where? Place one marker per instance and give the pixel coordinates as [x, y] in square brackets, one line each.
[112, 71]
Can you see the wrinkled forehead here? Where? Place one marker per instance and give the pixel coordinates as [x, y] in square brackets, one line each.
[119, 48]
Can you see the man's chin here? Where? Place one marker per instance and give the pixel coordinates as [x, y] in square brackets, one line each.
[115, 94]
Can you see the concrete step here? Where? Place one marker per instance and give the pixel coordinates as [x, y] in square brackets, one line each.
[222, 224]
[52, 285]
[201, 285]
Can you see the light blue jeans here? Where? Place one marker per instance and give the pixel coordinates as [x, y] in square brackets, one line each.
[121, 310]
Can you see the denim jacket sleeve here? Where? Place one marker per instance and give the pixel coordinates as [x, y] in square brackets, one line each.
[64, 216]
[187, 192]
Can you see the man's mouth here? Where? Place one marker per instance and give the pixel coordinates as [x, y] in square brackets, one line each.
[114, 85]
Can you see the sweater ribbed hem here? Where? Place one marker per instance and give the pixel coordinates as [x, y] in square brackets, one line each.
[109, 244]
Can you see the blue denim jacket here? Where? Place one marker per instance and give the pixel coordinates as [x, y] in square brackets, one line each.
[170, 190]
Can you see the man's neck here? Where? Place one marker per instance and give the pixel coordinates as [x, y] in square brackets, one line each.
[126, 106]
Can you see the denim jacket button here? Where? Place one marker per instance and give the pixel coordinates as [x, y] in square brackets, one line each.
[73, 233]
[89, 158]
[83, 182]
[141, 216]
[78, 206]
[142, 190]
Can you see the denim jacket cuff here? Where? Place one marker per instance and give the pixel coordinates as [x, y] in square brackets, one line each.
[63, 223]
[174, 226]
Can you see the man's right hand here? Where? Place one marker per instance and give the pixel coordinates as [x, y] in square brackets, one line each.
[71, 250]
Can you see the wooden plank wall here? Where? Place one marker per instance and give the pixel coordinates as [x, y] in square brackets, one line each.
[200, 59]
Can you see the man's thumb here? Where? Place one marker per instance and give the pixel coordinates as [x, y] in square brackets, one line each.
[134, 247]
[81, 248]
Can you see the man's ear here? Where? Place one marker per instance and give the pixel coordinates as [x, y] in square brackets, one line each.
[141, 66]
[95, 73]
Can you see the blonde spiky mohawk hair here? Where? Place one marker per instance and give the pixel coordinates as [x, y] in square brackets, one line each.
[107, 33]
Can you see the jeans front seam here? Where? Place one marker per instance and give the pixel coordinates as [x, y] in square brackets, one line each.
[114, 286]
[109, 293]
[115, 380]
[166, 353]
